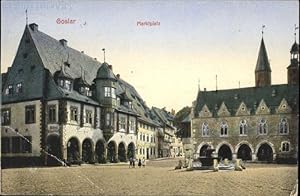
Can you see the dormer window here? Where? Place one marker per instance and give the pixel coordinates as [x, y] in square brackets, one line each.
[109, 92]
[68, 85]
[65, 84]
[130, 104]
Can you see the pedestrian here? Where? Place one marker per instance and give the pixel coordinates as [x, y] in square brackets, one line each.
[139, 163]
[133, 162]
[143, 162]
[130, 162]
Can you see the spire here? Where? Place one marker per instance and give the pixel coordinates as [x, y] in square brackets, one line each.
[262, 63]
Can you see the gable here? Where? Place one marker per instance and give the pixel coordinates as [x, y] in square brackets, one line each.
[27, 68]
[242, 110]
[283, 107]
[223, 111]
[205, 112]
[262, 108]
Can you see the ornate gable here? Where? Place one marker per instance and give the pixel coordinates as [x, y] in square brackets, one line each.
[262, 108]
[223, 111]
[242, 110]
[205, 112]
[283, 107]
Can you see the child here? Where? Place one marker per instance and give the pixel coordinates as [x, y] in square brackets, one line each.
[139, 164]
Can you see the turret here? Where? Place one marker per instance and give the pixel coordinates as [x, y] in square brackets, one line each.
[293, 68]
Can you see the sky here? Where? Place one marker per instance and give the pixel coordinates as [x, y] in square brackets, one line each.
[166, 63]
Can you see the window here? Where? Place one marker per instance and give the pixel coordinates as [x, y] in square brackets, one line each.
[262, 127]
[26, 145]
[5, 116]
[68, 85]
[283, 126]
[132, 126]
[107, 92]
[25, 55]
[107, 119]
[113, 93]
[52, 113]
[122, 122]
[143, 137]
[243, 127]
[30, 114]
[9, 90]
[16, 147]
[285, 146]
[224, 128]
[130, 104]
[118, 101]
[5, 145]
[205, 129]
[74, 113]
[88, 116]
[147, 138]
[88, 92]
[19, 88]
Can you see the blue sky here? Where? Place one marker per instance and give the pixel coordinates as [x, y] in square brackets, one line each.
[195, 40]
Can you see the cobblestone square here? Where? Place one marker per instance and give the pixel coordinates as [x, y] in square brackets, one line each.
[157, 178]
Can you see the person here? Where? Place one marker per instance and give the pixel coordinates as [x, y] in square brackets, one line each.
[143, 162]
[139, 163]
[133, 162]
[130, 162]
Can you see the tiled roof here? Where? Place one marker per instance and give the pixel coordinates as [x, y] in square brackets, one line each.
[164, 116]
[53, 53]
[272, 95]
[138, 104]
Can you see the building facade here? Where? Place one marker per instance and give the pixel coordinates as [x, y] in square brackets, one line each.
[60, 104]
[258, 123]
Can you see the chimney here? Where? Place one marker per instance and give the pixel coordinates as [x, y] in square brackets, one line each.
[95, 59]
[33, 26]
[63, 42]
[110, 67]
[204, 89]
[118, 76]
[82, 52]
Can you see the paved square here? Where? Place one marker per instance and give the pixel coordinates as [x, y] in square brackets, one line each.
[157, 178]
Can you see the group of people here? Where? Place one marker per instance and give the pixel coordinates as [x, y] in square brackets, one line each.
[140, 162]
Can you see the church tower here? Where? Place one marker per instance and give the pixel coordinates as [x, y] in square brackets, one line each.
[263, 69]
[293, 68]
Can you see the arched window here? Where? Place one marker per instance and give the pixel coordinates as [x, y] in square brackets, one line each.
[262, 127]
[243, 127]
[285, 146]
[224, 128]
[205, 129]
[283, 126]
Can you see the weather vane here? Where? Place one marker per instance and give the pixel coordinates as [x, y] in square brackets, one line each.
[295, 31]
[103, 49]
[26, 17]
[262, 29]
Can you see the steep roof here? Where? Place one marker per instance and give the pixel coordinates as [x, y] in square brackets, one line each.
[295, 48]
[272, 95]
[164, 116]
[138, 104]
[53, 53]
[104, 72]
[262, 63]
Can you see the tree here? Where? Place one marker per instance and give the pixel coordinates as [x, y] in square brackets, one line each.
[180, 115]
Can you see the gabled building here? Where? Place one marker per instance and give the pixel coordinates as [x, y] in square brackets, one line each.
[258, 123]
[60, 104]
[168, 143]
